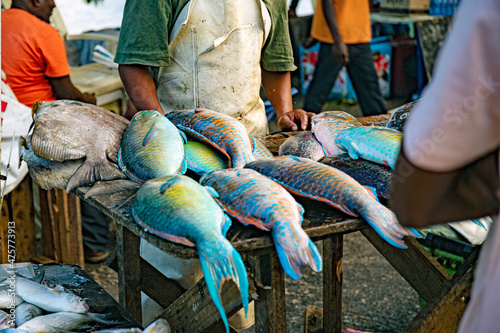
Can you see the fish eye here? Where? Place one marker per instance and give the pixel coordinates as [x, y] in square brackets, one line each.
[404, 116]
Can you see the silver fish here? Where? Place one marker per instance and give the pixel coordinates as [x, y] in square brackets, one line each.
[4, 320]
[303, 144]
[158, 326]
[70, 130]
[120, 330]
[49, 299]
[25, 312]
[61, 322]
[7, 298]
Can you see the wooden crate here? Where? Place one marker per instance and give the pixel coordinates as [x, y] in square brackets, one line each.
[405, 6]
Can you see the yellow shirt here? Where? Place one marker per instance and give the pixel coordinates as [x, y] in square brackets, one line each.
[353, 21]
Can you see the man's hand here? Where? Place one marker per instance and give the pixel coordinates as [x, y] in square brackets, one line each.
[340, 53]
[291, 120]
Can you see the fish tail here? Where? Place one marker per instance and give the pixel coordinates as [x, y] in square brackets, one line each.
[220, 263]
[292, 255]
[88, 173]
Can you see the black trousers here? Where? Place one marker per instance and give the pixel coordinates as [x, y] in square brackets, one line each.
[95, 228]
[361, 70]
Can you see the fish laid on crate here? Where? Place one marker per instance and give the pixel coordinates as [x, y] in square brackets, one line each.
[179, 209]
[327, 125]
[323, 183]
[4, 320]
[259, 149]
[25, 312]
[70, 130]
[201, 157]
[6, 298]
[398, 117]
[364, 172]
[303, 144]
[377, 144]
[151, 147]
[257, 200]
[63, 322]
[51, 174]
[221, 131]
[158, 326]
[49, 299]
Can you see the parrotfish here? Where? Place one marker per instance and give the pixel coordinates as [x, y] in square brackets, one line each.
[71, 130]
[201, 157]
[398, 117]
[327, 125]
[179, 209]
[151, 147]
[323, 183]
[223, 132]
[303, 144]
[365, 172]
[257, 200]
[377, 144]
[259, 149]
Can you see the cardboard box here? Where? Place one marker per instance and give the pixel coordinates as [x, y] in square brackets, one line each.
[405, 6]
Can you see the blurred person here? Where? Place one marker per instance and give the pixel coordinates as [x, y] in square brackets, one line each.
[36, 67]
[448, 168]
[344, 31]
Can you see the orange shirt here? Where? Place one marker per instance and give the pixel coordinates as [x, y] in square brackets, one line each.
[353, 21]
[32, 51]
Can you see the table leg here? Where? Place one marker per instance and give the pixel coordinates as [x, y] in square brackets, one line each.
[129, 271]
[333, 249]
[270, 308]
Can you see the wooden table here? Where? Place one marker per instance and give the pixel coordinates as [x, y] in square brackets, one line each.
[193, 310]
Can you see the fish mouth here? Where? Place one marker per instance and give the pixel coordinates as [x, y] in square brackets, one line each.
[35, 107]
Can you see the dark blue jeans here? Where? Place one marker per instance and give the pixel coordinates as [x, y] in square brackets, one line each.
[361, 70]
[95, 229]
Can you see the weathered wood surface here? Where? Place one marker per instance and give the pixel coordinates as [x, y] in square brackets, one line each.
[333, 249]
[313, 319]
[414, 264]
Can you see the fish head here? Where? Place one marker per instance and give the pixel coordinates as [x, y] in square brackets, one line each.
[146, 114]
[76, 303]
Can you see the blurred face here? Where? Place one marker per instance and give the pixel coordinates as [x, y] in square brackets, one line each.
[44, 9]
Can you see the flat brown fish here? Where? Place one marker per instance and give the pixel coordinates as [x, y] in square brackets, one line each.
[70, 130]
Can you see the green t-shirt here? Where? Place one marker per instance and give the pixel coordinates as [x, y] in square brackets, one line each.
[146, 27]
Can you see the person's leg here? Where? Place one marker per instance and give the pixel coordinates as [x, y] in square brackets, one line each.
[95, 232]
[324, 77]
[364, 78]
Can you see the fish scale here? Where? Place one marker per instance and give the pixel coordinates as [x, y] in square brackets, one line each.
[257, 200]
[223, 132]
[334, 187]
[327, 125]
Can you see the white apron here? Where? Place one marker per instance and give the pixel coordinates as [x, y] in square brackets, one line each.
[215, 51]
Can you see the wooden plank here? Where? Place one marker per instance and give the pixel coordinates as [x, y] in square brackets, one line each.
[62, 220]
[195, 311]
[23, 214]
[414, 264]
[313, 319]
[4, 220]
[270, 307]
[52, 201]
[161, 289]
[129, 271]
[333, 249]
[47, 237]
[74, 224]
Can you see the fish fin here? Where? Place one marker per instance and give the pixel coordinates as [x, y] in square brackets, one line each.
[183, 136]
[111, 186]
[150, 135]
[353, 151]
[217, 268]
[292, 259]
[252, 142]
[213, 192]
[414, 232]
[183, 167]
[225, 225]
[479, 223]
[371, 191]
[299, 159]
[88, 173]
[301, 212]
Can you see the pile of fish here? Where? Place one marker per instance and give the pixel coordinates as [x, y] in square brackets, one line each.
[240, 178]
[39, 308]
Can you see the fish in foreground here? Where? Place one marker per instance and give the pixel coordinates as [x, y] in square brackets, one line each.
[6, 300]
[398, 117]
[364, 172]
[201, 157]
[259, 149]
[70, 130]
[323, 183]
[51, 174]
[62, 322]
[303, 144]
[257, 200]
[179, 209]
[120, 330]
[49, 299]
[26, 312]
[221, 131]
[151, 147]
[4, 320]
[327, 125]
[377, 144]
[158, 326]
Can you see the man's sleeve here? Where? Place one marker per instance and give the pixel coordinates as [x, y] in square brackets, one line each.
[277, 54]
[144, 33]
[54, 54]
[458, 118]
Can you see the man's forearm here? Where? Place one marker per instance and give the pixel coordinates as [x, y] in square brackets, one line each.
[140, 87]
[277, 86]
